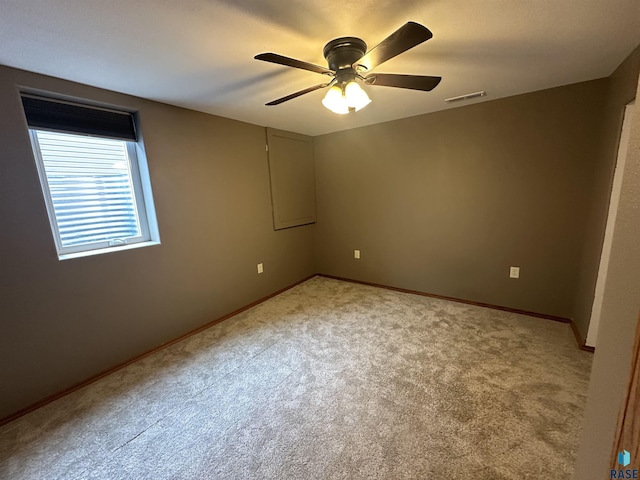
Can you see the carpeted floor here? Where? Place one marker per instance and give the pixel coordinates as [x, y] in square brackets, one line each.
[329, 380]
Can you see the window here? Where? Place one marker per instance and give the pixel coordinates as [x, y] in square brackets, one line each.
[95, 183]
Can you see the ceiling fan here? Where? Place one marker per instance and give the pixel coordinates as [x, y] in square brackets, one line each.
[348, 62]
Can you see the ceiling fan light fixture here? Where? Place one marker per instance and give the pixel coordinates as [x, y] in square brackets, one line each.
[346, 98]
[334, 100]
[355, 96]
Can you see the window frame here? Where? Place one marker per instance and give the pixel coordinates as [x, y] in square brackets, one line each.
[140, 183]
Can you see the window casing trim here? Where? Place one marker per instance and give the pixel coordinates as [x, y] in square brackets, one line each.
[143, 200]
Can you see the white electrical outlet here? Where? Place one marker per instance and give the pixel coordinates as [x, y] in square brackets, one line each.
[356, 254]
[260, 268]
[514, 272]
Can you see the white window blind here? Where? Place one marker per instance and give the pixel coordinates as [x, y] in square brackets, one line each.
[91, 188]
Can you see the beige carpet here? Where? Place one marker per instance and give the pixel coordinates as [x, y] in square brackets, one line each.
[329, 380]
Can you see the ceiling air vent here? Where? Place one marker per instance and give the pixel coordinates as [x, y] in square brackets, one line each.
[468, 96]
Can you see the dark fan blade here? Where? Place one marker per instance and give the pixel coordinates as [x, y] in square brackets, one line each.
[292, 62]
[406, 37]
[413, 82]
[297, 94]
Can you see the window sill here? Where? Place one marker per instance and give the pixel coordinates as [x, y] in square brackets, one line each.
[99, 251]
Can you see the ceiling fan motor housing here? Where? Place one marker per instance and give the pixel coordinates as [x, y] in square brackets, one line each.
[343, 52]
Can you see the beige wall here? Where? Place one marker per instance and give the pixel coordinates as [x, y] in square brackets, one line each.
[63, 321]
[621, 302]
[621, 90]
[446, 202]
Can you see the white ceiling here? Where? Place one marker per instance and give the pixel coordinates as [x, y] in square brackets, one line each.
[199, 53]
